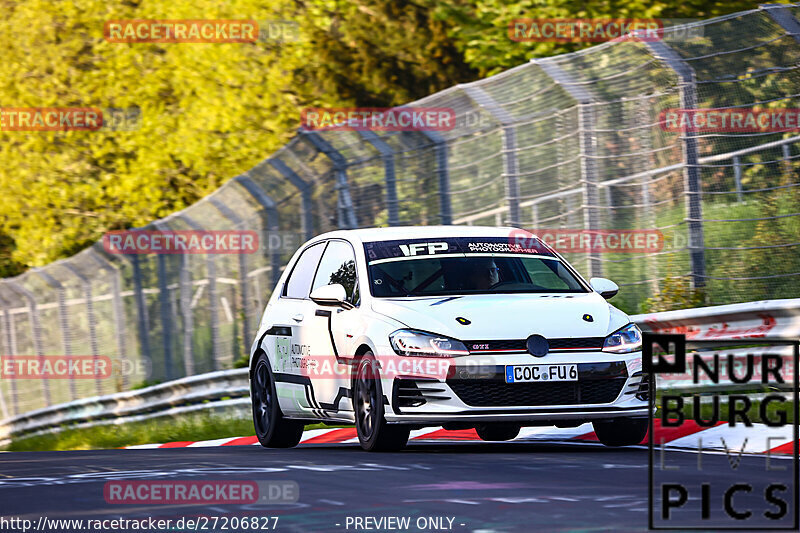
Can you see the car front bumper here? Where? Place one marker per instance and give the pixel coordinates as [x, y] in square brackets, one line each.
[474, 390]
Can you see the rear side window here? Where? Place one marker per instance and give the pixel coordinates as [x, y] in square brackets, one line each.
[299, 282]
[338, 265]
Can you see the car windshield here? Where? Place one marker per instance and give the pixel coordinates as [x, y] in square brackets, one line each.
[442, 268]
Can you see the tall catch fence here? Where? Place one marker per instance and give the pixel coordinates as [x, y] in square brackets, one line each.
[572, 141]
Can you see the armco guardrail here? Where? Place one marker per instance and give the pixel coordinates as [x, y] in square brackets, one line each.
[575, 141]
[230, 388]
[214, 390]
[765, 319]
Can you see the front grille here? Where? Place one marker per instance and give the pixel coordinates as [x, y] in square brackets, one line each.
[643, 392]
[593, 343]
[577, 343]
[490, 346]
[411, 393]
[496, 393]
[407, 394]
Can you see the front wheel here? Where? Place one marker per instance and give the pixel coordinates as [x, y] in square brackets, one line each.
[272, 429]
[374, 433]
[621, 431]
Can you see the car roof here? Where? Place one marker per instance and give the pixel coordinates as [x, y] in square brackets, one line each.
[422, 232]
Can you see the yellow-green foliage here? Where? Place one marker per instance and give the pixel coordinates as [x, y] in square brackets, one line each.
[212, 111]
[209, 111]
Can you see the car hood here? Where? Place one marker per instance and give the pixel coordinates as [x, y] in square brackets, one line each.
[506, 316]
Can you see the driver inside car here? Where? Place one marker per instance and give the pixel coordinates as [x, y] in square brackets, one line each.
[483, 274]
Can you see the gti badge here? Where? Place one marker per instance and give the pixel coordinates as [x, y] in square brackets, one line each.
[588, 318]
[463, 321]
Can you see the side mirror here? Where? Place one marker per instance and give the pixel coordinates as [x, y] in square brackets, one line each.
[331, 295]
[607, 288]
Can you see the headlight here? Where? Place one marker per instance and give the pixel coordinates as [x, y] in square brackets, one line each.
[624, 340]
[419, 343]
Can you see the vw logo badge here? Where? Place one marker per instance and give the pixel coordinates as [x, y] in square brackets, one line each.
[537, 346]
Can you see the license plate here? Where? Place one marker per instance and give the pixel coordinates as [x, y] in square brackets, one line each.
[528, 373]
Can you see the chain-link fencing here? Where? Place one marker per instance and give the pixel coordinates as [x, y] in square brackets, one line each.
[570, 142]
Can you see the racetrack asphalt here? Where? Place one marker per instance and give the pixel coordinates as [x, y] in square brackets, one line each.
[481, 487]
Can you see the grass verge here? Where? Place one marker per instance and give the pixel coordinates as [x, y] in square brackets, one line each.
[194, 427]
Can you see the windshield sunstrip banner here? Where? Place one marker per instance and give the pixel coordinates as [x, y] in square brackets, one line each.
[408, 248]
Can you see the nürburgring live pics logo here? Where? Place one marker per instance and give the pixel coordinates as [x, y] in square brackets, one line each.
[745, 486]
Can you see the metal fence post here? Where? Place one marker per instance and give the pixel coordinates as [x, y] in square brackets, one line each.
[652, 265]
[443, 173]
[9, 350]
[787, 157]
[562, 154]
[737, 178]
[142, 319]
[87, 294]
[346, 213]
[141, 307]
[63, 324]
[389, 174]
[116, 306]
[510, 163]
[36, 332]
[273, 221]
[211, 270]
[165, 308]
[185, 284]
[184, 302]
[691, 169]
[238, 221]
[642, 116]
[305, 188]
[587, 142]
[783, 17]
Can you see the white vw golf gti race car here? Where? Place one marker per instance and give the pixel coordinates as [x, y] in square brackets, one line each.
[394, 329]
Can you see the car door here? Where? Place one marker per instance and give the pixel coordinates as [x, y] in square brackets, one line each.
[285, 334]
[331, 329]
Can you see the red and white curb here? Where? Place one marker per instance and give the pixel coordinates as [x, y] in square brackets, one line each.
[688, 435]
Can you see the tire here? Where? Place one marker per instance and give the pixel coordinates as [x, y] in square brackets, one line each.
[497, 432]
[621, 431]
[374, 433]
[272, 429]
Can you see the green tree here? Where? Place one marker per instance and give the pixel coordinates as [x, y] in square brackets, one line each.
[211, 111]
[480, 28]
